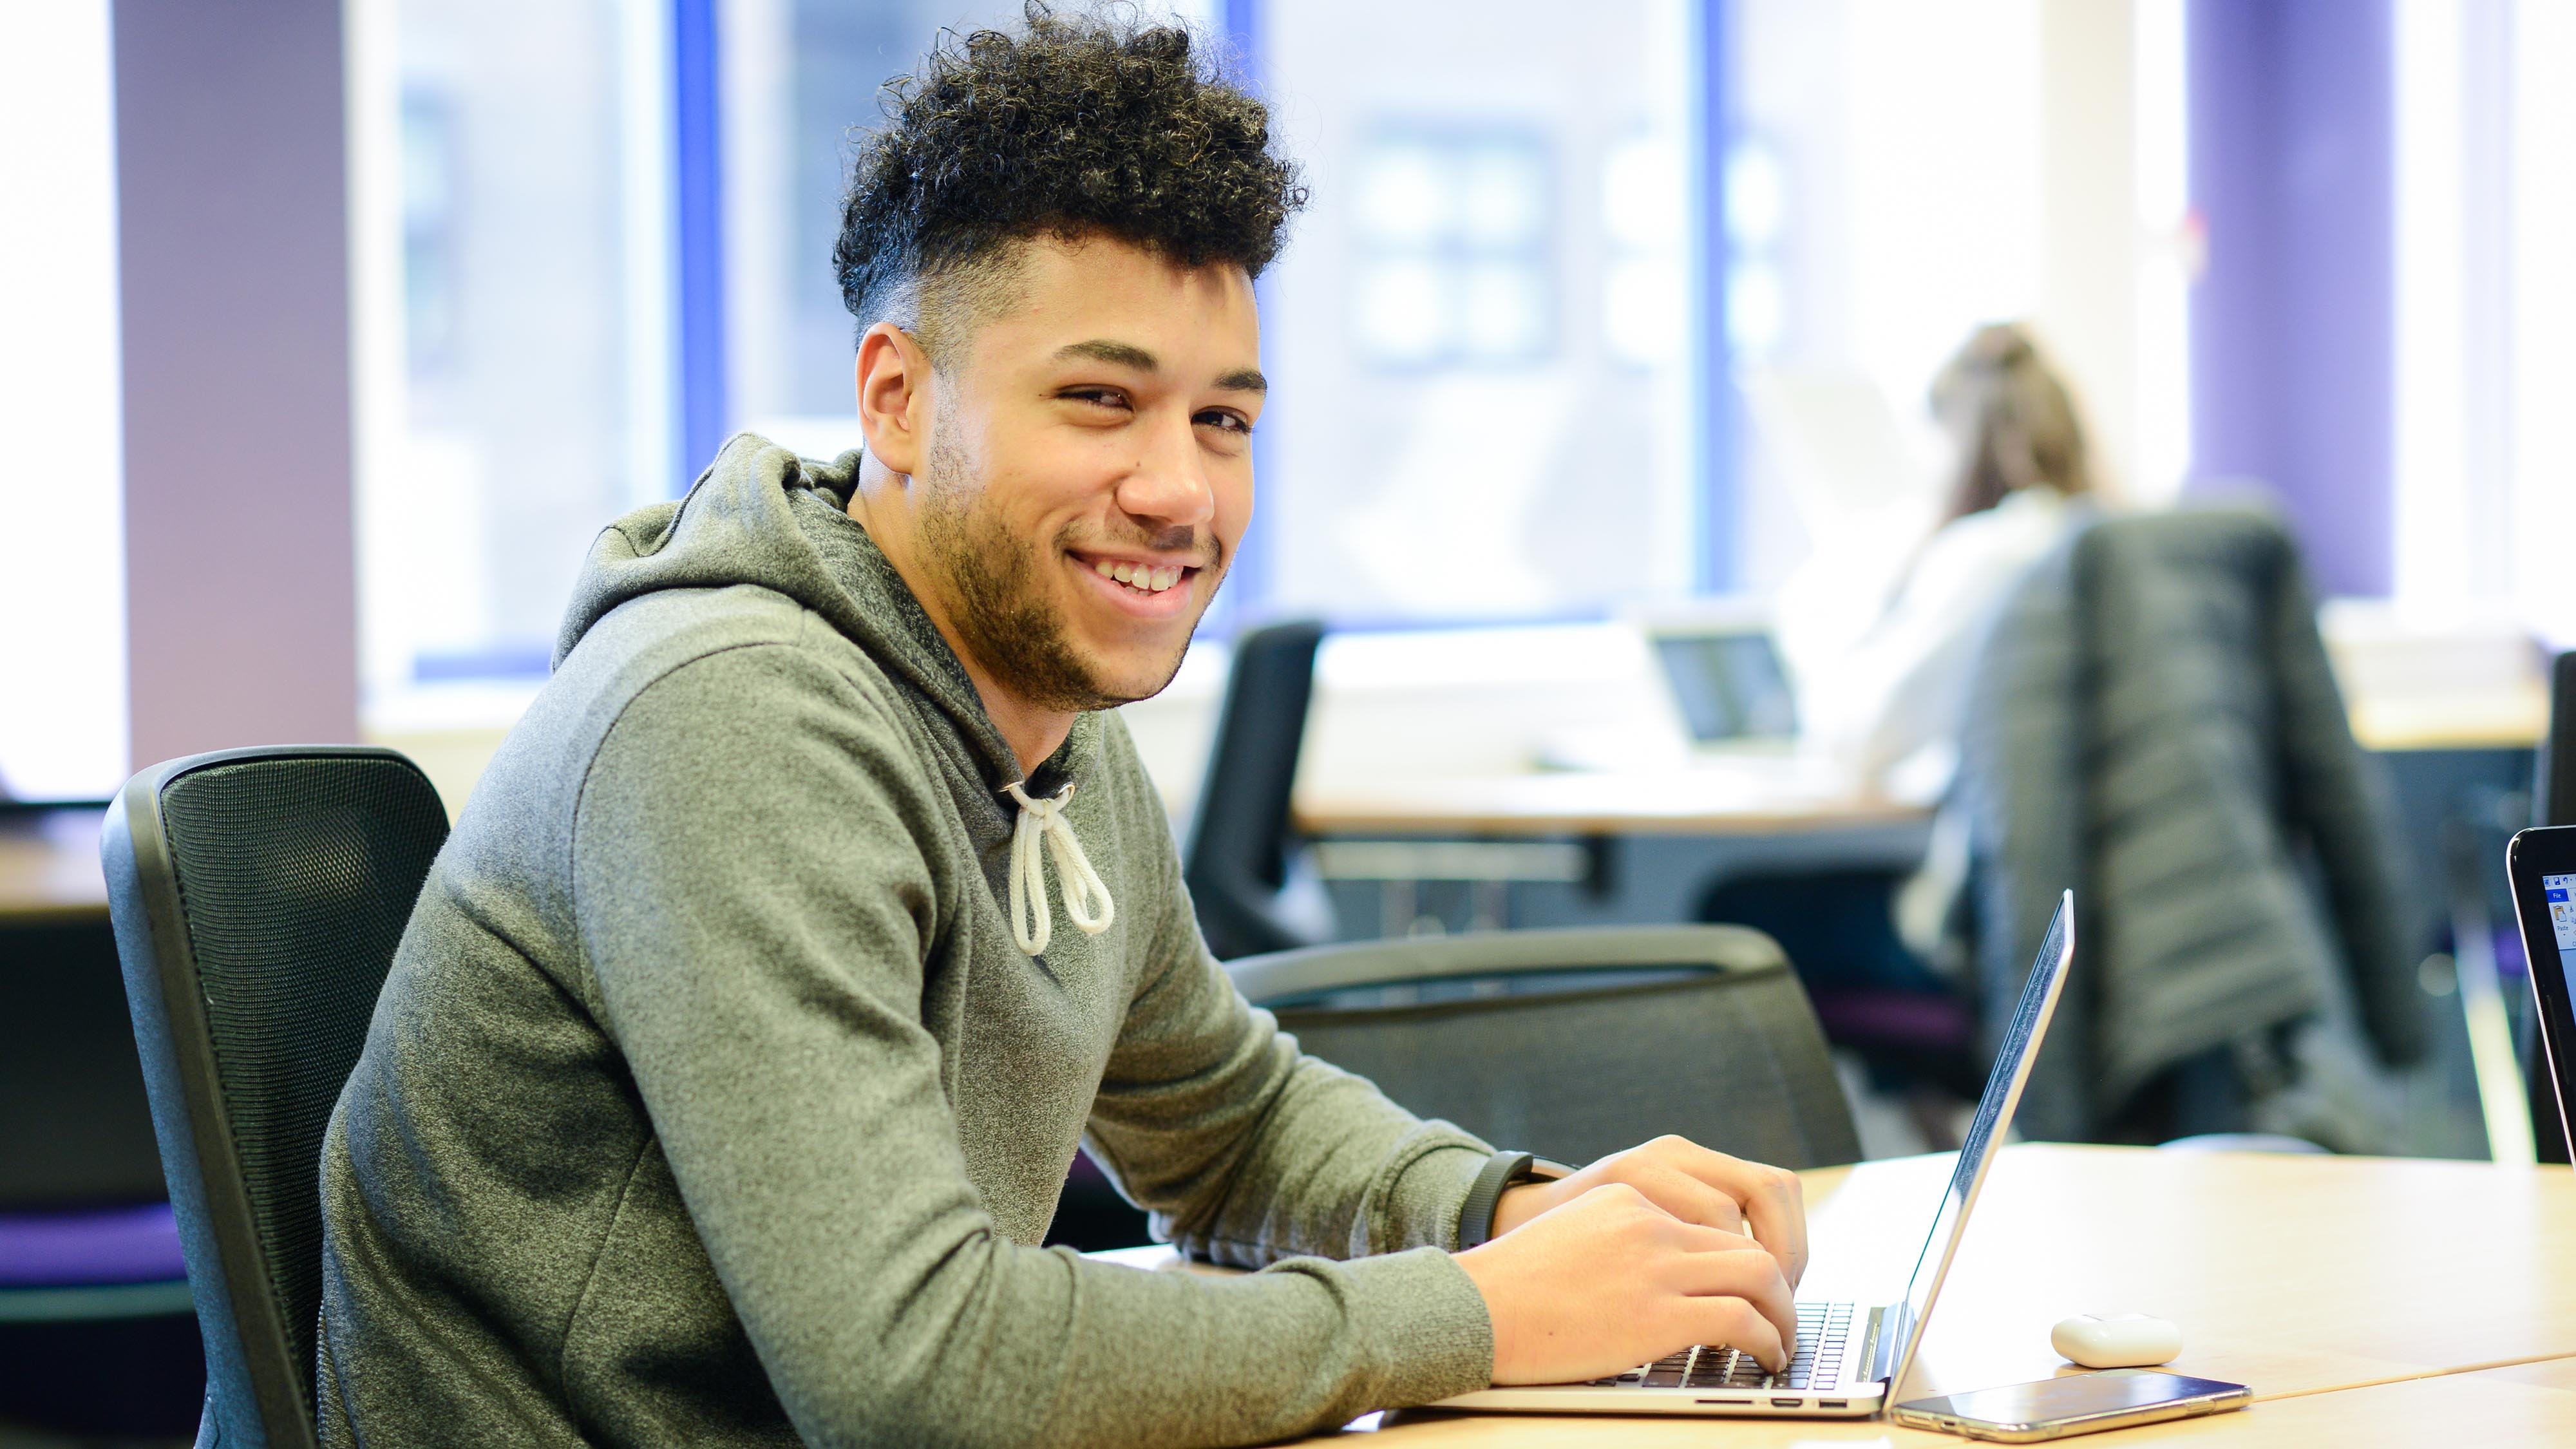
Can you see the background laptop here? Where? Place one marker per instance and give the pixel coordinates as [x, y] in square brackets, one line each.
[1722, 669]
[1849, 1357]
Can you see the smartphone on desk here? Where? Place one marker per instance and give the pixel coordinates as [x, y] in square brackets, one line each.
[2072, 1404]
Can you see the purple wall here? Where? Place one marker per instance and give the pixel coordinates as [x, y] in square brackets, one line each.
[239, 545]
[2293, 351]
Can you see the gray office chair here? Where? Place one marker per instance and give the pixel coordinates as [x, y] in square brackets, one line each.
[258, 896]
[1237, 861]
[1574, 1044]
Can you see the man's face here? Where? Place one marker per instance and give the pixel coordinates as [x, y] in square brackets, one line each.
[1089, 470]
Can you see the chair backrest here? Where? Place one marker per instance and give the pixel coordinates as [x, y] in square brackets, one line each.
[2154, 721]
[1576, 1043]
[1237, 859]
[258, 896]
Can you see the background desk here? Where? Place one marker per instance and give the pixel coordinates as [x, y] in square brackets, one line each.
[1586, 848]
[2342, 1290]
[49, 870]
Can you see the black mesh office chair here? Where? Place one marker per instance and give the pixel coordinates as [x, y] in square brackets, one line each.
[1576, 1043]
[1237, 861]
[258, 895]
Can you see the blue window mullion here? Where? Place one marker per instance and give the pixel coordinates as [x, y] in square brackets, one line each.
[1718, 565]
[697, 203]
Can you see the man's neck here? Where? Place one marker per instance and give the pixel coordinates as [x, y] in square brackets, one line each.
[881, 502]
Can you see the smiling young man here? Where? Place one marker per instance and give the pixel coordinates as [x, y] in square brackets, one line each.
[727, 1076]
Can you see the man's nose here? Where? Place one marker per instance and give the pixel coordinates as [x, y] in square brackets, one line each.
[1169, 484]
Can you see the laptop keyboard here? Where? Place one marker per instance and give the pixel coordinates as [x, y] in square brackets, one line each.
[1818, 1362]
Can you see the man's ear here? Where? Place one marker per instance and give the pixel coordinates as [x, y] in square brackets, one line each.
[893, 379]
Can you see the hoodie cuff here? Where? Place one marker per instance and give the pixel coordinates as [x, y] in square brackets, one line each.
[1423, 1324]
[1422, 1204]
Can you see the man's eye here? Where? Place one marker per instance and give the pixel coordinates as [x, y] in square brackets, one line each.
[1231, 422]
[1097, 396]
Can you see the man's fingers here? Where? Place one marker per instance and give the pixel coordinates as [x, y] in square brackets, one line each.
[1778, 1212]
[1771, 1200]
[1737, 1324]
[1692, 1200]
[1746, 1273]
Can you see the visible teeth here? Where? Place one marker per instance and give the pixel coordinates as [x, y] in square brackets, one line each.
[1144, 578]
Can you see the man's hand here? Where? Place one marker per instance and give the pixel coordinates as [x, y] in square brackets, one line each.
[1691, 1183]
[1609, 1280]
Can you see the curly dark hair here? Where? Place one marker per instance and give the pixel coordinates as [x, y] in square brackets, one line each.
[1083, 125]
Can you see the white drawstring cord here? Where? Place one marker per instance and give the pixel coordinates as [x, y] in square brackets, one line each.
[1032, 921]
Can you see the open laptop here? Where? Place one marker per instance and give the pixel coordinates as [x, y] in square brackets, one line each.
[1849, 1357]
[2541, 863]
[1723, 673]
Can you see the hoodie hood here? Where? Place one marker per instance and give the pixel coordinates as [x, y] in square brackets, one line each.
[760, 515]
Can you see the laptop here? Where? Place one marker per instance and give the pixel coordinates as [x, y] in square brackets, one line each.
[2541, 863]
[1722, 670]
[1849, 1357]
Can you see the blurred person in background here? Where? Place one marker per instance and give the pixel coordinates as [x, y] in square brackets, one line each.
[1889, 707]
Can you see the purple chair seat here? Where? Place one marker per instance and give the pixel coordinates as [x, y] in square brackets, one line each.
[119, 1262]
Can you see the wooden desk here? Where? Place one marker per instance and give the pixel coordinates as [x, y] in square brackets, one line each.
[2529, 1404]
[49, 870]
[2307, 1278]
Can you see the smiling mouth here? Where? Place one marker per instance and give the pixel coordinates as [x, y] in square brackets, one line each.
[1142, 579]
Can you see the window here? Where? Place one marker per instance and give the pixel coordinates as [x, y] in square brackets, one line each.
[511, 204]
[1479, 333]
[1452, 245]
[1903, 173]
[2486, 311]
[62, 570]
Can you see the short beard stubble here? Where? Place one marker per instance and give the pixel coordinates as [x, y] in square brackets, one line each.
[1001, 614]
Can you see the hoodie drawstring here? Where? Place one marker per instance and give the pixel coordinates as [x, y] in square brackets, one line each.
[1032, 921]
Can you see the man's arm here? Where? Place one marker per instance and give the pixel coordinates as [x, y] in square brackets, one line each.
[757, 947]
[1246, 1150]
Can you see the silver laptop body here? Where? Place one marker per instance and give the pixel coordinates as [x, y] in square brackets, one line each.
[1849, 1359]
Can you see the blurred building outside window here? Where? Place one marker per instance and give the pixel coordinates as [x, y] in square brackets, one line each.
[1484, 394]
[1454, 266]
[510, 170]
[62, 570]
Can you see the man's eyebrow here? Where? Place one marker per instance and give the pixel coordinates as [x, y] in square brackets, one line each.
[1116, 354]
[1128, 354]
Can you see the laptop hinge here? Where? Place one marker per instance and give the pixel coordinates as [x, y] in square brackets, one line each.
[1887, 1334]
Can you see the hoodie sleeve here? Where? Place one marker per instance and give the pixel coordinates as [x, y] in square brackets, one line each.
[1247, 1150]
[755, 915]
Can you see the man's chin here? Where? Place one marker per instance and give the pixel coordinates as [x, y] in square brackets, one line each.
[1133, 672]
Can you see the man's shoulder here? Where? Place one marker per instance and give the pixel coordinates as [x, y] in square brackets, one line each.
[765, 645]
[648, 639]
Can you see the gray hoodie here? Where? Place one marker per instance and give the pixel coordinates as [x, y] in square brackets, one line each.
[711, 1102]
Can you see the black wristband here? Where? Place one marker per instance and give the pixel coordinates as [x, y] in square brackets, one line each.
[1501, 1171]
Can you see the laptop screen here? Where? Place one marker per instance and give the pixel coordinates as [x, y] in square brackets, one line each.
[1985, 1134]
[1728, 685]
